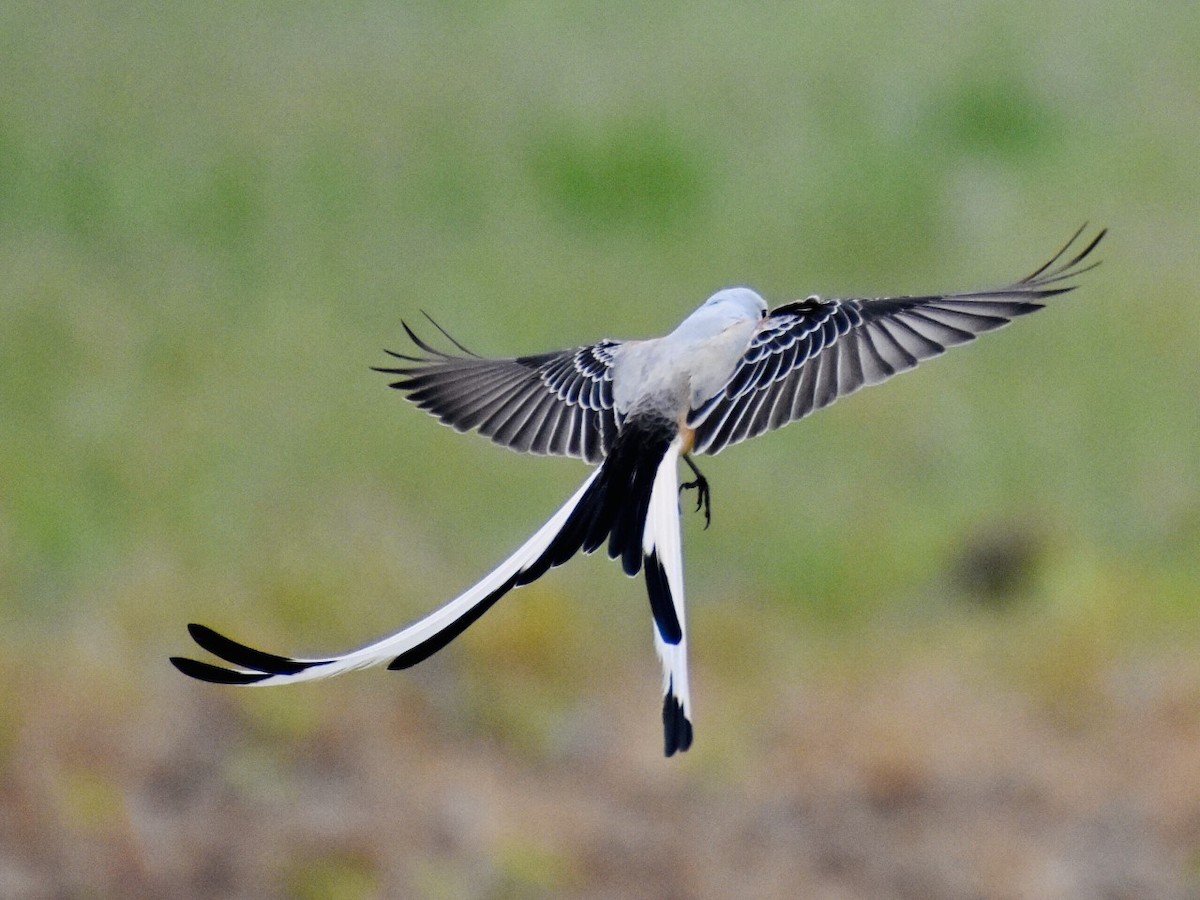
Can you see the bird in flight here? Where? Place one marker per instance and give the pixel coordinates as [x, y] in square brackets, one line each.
[730, 371]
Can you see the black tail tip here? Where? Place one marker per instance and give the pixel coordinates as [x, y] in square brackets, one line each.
[677, 728]
[203, 671]
[245, 657]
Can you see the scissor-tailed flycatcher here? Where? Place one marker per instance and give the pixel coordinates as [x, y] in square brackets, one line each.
[730, 371]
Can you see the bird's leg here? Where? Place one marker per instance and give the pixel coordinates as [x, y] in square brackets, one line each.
[703, 494]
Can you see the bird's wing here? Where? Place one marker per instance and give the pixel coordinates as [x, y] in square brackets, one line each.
[808, 353]
[556, 403]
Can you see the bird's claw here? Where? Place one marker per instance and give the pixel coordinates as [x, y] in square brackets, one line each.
[703, 496]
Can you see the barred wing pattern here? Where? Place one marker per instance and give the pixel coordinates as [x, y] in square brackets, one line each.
[810, 352]
[556, 404]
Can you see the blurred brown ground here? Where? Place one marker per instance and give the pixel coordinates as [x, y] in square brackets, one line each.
[916, 782]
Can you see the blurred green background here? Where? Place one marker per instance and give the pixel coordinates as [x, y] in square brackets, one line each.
[943, 633]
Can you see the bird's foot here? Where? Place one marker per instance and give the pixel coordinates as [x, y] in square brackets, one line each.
[703, 494]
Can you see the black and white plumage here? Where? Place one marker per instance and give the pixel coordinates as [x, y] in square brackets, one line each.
[729, 372]
[557, 404]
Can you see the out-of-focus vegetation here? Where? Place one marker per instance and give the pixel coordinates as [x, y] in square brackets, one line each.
[943, 632]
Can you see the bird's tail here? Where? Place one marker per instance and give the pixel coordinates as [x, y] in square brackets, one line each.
[662, 548]
[405, 648]
[634, 504]
[616, 504]
[612, 504]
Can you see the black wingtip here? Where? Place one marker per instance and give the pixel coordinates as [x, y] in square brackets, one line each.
[448, 336]
[1054, 271]
[203, 671]
[395, 354]
[246, 657]
[677, 728]
[405, 383]
[422, 345]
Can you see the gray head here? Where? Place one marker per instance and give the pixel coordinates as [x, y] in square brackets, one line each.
[730, 308]
[738, 303]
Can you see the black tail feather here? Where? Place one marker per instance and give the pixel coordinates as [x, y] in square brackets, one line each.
[613, 508]
[246, 657]
[203, 671]
[677, 728]
[440, 639]
[662, 606]
[625, 488]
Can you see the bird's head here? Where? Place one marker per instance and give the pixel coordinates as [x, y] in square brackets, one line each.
[737, 303]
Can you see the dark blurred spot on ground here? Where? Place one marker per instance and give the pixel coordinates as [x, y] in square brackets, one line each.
[997, 564]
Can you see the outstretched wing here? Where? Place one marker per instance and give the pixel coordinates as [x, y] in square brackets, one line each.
[554, 403]
[808, 353]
